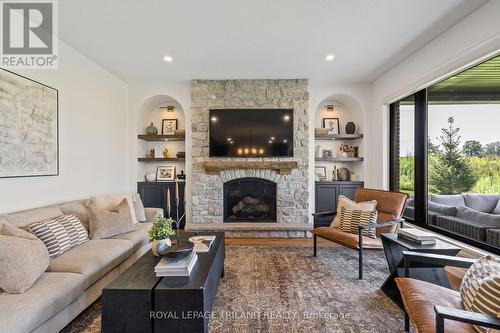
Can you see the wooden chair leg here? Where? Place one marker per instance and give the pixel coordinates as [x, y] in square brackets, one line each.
[315, 244]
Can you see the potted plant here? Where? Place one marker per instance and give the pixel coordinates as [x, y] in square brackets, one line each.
[159, 234]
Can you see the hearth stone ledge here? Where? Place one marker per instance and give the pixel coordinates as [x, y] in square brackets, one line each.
[256, 229]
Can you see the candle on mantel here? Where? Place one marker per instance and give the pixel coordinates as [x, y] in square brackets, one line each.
[168, 201]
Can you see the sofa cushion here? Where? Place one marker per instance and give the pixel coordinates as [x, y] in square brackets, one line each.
[25, 218]
[344, 238]
[480, 288]
[23, 258]
[109, 202]
[442, 209]
[478, 217]
[485, 203]
[106, 223]
[140, 214]
[345, 202]
[49, 295]
[453, 200]
[77, 207]
[139, 236]
[60, 234]
[93, 259]
[419, 298]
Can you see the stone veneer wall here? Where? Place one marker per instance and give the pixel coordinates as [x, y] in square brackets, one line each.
[292, 190]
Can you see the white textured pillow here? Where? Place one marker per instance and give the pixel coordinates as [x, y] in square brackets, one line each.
[347, 203]
[480, 289]
[140, 213]
[23, 258]
[109, 202]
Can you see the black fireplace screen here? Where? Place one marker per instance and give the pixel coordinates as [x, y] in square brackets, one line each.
[250, 200]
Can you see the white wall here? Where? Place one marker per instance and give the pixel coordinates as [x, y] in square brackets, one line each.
[93, 150]
[473, 39]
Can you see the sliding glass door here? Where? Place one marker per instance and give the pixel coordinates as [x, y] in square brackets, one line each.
[445, 153]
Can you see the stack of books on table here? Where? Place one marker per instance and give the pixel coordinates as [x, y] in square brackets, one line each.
[417, 236]
[202, 243]
[180, 267]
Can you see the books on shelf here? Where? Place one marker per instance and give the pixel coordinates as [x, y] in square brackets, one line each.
[180, 267]
[417, 236]
[202, 243]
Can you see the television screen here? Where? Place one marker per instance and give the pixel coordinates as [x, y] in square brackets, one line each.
[251, 132]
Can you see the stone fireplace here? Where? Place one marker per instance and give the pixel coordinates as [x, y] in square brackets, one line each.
[289, 175]
[249, 200]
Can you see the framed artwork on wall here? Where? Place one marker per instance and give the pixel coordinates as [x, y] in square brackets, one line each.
[168, 126]
[332, 124]
[29, 127]
[165, 173]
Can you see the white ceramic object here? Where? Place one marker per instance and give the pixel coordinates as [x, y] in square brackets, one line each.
[151, 176]
[154, 245]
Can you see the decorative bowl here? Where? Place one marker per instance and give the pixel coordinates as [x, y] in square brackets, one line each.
[178, 251]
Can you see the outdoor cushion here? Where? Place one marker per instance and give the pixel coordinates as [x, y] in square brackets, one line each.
[453, 200]
[478, 217]
[496, 210]
[343, 238]
[419, 298]
[138, 237]
[442, 209]
[49, 295]
[93, 259]
[485, 203]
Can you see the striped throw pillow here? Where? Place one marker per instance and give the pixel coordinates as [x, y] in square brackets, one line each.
[60, 234]
[480, 289]
[351, 219]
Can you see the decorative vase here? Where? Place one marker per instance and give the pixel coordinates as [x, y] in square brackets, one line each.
[350, 128]
[150, 176]
[344, 154]
[181, 175]
[343, 174]
[151, 130]
[160, 246]
[165, 152]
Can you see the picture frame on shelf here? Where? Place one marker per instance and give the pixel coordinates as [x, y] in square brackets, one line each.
[165, 173]
[327, 154]
[332, 124]
[168, 126]
[320, 172]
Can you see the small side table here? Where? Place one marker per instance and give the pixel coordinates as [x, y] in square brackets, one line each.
[394, 247]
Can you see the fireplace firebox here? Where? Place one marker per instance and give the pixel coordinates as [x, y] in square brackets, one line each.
[250, 200]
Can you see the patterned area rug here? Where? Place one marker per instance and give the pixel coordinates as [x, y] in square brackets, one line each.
[269, 289]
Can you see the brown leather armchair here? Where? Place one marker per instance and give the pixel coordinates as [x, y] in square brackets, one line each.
[428, 305]
[390, 207]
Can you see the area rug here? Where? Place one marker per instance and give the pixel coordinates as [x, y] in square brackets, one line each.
[269, 289]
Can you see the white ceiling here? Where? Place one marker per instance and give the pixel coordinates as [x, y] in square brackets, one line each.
[238, 39]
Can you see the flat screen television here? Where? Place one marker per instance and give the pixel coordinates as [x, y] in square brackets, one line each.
[251, 132]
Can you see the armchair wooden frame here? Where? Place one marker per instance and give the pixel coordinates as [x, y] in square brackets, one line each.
[360, 248]
[443, 312]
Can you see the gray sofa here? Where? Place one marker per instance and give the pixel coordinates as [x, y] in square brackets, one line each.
[475, 216]
[73, 280]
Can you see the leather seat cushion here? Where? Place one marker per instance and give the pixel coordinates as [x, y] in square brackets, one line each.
[93, 259]
[419, 298]
[347, 239]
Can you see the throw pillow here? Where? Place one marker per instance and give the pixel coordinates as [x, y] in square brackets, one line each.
[485, 203]
[105, 223]
[480, 288]
[23, 258]
[140, 212]
[347, 203]
[60, 234]
[109, 202]
[351, 219]
[442, 209]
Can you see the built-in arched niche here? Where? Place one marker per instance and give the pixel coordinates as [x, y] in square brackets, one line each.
[347, 109]
[154, 110]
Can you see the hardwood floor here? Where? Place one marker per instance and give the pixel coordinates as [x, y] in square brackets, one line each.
[278, 242]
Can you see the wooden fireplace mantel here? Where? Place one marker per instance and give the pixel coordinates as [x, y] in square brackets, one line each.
[283, 168]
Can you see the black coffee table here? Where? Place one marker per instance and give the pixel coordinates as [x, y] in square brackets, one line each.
[138, 301]
[394, 247]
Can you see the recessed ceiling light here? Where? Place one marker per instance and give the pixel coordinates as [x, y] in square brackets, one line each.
[330, 57]
[168, 58]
